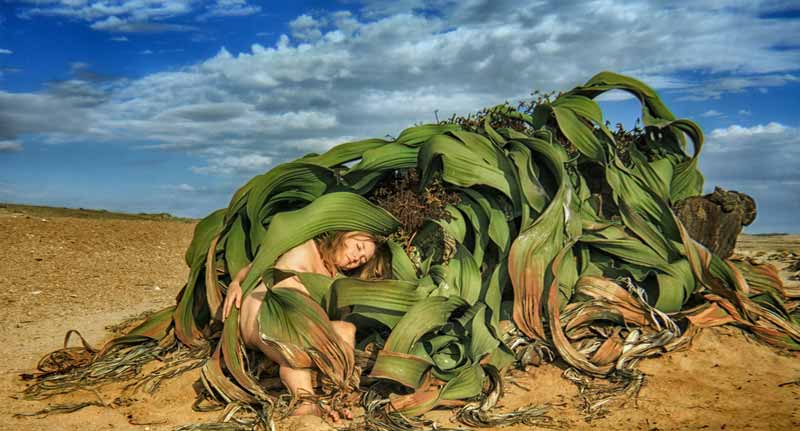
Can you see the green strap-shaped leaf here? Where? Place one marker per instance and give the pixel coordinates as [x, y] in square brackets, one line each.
[492, 294]
[536, 246]
[657, 175]
[495, 137]
[606, 81]
[239, 199]
[317, 285]
[156, 326]
[574, 116]
[404, 368]
[675, 286]
[533, 191]
[497, 230]
[687, 180]
[482, 341]
[646, 232]
[394, 295]
[492, 154]
[402, 266]
[285, 201]
[479, 221]
[467, 384]
[216, 378]
[399, 360]
[377, 163]
[501, 228]
[448, 359]
[186, 329]
[425, 316]
[460, 165]
[415, 136]
[236, 248]
[204, 232]
[464, 275]
[305, 176]
[675, 279]
[346, 152]
[456, 227]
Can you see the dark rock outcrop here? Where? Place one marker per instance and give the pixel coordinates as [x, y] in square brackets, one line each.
[716, 219]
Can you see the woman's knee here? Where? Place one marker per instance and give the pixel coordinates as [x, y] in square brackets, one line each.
[344, 329]
[248, 327]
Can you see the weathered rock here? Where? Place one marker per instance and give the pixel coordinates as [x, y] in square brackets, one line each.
[716, 219]
[733, 201]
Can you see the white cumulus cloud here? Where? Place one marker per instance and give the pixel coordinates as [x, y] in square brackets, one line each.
[183, 188]
[134, 16]
[343, 75]
[118, 16]
[305, 27]
[9, 146]
[222, 8]
[246, 164]
[736, 131]
[759, 160]
[711, 113]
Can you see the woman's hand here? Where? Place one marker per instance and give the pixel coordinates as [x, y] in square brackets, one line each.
[234, 296]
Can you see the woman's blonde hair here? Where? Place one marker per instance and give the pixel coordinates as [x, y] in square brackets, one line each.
[376, 268]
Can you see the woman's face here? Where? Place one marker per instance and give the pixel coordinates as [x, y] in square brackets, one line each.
[356, 249]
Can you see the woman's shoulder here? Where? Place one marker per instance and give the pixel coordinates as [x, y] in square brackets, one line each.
[300, 258]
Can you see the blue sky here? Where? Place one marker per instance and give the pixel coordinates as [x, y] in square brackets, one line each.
[170, 105]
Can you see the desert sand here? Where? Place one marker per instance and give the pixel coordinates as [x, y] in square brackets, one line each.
[82, 270]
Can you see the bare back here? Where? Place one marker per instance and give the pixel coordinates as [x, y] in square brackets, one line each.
[303, 258]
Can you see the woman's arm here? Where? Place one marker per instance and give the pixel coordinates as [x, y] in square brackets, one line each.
[298, 259]
[234, 293]
[295, 260]
[239, 278]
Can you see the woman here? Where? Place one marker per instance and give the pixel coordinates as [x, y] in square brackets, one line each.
[339, 251]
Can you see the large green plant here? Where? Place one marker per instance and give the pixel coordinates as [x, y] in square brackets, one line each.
[532, 243]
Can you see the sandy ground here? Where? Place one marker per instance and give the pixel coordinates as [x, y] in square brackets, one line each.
[66, 270]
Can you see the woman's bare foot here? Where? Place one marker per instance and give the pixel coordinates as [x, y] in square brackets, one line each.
[311, 408]
[305, 408]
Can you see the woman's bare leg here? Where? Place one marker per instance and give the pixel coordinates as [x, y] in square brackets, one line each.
[296, 380]
[347, 332]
